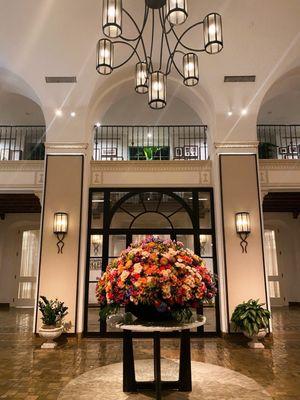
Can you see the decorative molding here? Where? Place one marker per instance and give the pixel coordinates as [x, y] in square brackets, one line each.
[279, 174]
[149, 173]
[24, 165]
[237, 145]
[21, 175]
[50, 146]
[279, 164]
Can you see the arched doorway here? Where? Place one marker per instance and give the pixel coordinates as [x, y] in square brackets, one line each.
[118, 217]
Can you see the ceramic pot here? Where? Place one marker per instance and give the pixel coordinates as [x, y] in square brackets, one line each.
[50, 333]
[255, 343]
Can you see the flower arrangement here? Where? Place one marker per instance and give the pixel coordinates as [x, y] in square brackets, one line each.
[157, 274]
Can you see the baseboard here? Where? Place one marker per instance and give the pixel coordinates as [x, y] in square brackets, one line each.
[4, 305]
[294, 303]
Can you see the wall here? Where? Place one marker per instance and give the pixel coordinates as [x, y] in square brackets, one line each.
[58, 276]
[287, 234]
[244, 271]
[10, 251]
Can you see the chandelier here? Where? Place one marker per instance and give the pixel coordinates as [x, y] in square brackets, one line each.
[174, 52]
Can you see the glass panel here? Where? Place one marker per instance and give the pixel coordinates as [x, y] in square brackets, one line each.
[152, 221]
[204, 210]
[92, 294]
[97, 210]
[271, 253]
[209, 312]
[30, 253]
[117, 243]
[93, 319]
[95, 269]
[274, 289]
[121, 219]
[26, 290]
[116, 196]
[209, 264]
[96, 245]
[187, 240]
[206, 245]
[181, 219]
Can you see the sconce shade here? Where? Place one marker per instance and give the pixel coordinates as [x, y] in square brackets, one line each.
[203, 239]
[60, 224]
[242, 222]
[190, 69]
[112, 18]
[213, 36]
[96, 239]
[141, 76]
[176, 11]
[157, 90]
[105, 56]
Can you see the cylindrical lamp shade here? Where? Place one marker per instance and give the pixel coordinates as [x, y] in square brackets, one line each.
[112, 18]
[203, 239]
[157, 90]
[105, 56]
[242, 222]
[213, 36]
[190, 69]
[141, 76]
[177, 11]
[96, 239]
[60, 223]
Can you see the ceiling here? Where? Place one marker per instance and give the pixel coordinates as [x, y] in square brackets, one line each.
[19, 203]
[58, 38]
[282, 202]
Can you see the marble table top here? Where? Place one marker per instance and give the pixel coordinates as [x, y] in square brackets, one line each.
[163, 326]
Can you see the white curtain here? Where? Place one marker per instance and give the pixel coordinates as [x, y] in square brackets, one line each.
[271, 254]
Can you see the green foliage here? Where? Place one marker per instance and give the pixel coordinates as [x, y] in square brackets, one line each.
[150, 152]
[250, 316]
[53, 311]
[108, 310]
[267, 150]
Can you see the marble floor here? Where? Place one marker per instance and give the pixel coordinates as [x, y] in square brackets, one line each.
[29, 373]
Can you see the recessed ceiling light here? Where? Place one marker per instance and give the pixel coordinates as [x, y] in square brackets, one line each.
[98, 124]
[58, 113]
[229, 113]
[244, 111]
[73, 114]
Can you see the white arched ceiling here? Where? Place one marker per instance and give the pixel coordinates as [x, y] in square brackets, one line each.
[281, 104]
[19, 104]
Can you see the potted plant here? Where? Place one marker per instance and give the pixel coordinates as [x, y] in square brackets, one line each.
[155, 280]
[53, 312]
[253, 320]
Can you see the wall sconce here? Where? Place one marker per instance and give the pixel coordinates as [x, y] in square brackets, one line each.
[203, 241]
[96, 240]
[243, 228]
[60, 229]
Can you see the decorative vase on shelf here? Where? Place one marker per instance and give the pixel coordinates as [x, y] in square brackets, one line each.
[155, 280]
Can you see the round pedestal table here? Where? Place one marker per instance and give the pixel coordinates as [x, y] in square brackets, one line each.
[184, 383]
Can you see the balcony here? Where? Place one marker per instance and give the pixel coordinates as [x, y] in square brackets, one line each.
[157, 143]
[279, 142]
[22, 143]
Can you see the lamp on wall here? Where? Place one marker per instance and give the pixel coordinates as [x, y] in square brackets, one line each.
[243, 228]
[203, 241]
[60, 229]
[96, 242]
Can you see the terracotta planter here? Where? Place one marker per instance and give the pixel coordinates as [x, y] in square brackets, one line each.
[50, 333]
[255, 343]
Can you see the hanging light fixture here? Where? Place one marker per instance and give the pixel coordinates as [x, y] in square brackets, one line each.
[177, 11]
[105, 55]
[112, 18]
[157, 90]
[141, 78]
[190, 69]
[163, 17]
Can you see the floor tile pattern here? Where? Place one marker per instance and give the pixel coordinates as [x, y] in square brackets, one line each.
[30, 373]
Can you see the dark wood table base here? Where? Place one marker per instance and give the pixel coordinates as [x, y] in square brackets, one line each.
[184, 383]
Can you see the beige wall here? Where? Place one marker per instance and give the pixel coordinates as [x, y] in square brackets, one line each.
[245, 272]
[63, 192]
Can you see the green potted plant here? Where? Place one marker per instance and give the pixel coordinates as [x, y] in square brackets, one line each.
[150, 152]
[267, 150]
[253, 320]
[53, 312]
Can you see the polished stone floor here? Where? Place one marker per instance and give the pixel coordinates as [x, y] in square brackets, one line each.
[29, 373]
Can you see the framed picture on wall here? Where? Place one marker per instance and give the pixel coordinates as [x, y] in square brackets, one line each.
[178, 152]
[282, 150]
[109, 152]
[293, 149]
[191, 151]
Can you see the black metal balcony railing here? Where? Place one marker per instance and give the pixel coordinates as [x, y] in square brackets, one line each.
[150, 143]
[22, 143]
[279, 141]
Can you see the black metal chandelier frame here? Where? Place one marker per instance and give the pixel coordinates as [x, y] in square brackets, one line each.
[148, 78]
